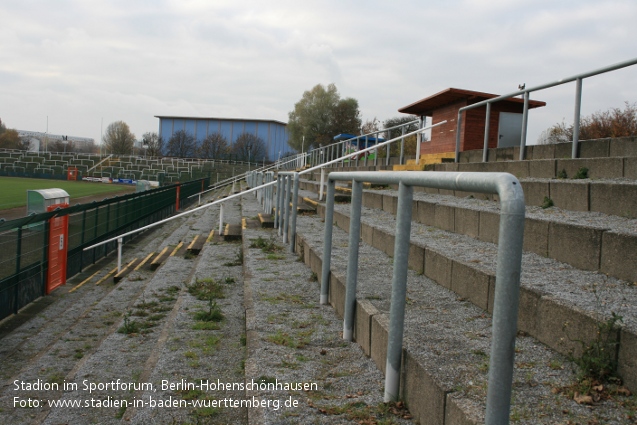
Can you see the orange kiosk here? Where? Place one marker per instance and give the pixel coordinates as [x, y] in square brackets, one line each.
[50, 200]
[71, 173]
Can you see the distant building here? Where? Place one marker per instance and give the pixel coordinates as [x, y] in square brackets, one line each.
[39, 141]
[273, 133]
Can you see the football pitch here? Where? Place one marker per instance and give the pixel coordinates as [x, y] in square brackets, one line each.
[13, 190]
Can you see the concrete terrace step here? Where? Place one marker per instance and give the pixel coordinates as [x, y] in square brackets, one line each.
[596, 242]
[611, 197]
[293, 339]
[446, 344]
[552, 293]
[266, 220]
[598, 168]
[196, 245]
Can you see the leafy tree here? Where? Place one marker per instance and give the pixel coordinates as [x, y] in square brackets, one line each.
[181, 144]
[319, 116]
[154, 144]
[410, 141]
[612, 123]
[118, 138]
[9, 139]
[250, 147]
[213, 146]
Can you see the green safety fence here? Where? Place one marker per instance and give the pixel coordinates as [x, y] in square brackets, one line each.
[24, 241]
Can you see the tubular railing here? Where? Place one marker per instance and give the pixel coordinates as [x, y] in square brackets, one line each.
[332, 151]
[286, 162]
[509, 259]
[525, 111]
[284, 188]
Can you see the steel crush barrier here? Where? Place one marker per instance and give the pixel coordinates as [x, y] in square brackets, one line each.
[525, 111]
[509, 259]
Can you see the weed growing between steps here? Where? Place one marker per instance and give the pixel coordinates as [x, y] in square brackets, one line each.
[547, 203]
[582, 173]
[210, 290]
[268, 246]
[596, 367]
[148, 313]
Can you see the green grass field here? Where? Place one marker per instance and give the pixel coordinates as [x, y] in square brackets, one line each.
[13, 190]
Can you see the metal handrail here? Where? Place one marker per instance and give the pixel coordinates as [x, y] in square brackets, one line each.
[233, 179]
[508, 269]
[525, 92]
[329, 149]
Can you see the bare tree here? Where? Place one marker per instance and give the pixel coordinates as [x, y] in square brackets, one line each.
[250, 147]
[370, 126]
[62, 146]
[153, 144]
[181, 144]
[213, 146]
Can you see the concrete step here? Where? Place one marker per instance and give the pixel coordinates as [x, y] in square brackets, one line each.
[76, 337]
[160, 258]
[601, 148]
[552, 293]
[291, 338]
[613, 197]
[196, 245]
[584, 240]
[598, 168]
[266, 220]
[126, 270]
[232, 232]
[446, 341]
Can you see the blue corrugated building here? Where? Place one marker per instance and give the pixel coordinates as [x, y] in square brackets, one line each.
[273, 133]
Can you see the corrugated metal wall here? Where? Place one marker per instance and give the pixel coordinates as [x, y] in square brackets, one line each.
[273, 133]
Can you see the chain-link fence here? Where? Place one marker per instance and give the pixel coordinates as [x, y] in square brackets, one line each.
[24, 242]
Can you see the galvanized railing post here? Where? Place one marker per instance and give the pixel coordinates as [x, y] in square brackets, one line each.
[288, 191]
[525, 121]
[295, 196]
[487, 122]
[506, 300]
[377, 152]
[281, 207]
[388, 150]
[119, 255]
[322, 184]
[277, 211]
[352, 260]
[327, 243]
[399, 292]
[402, 147]
[221, 219]
[576, 119]
[458, 127]
[366, 153]
[421, 124]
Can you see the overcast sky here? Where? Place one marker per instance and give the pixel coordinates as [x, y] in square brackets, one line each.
[84, 63]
